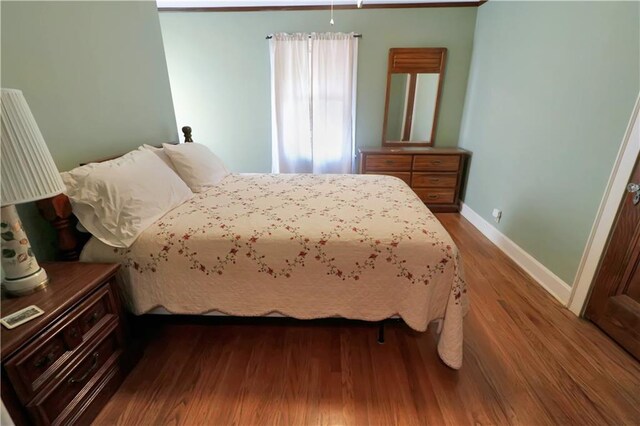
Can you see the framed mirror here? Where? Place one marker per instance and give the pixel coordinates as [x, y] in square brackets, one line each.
[414, 85]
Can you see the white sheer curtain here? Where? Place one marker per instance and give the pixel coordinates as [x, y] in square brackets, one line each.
[290, 99]
[313, 99]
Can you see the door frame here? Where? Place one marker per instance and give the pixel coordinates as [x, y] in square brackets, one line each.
[616, 187]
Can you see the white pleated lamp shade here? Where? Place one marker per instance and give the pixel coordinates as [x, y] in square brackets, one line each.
[28, 171]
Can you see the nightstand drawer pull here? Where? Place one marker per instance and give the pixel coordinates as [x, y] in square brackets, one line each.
[435, 180]
[74, 333]
[72, 336]
[93, 366]
[48, 358]
[436, 162]
[433, 196]
[94, 317]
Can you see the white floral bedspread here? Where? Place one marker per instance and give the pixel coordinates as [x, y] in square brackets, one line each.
[306, 246]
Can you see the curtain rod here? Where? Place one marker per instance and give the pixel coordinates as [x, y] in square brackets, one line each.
[270, 36]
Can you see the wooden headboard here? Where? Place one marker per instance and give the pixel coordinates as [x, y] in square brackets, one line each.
[57, 211]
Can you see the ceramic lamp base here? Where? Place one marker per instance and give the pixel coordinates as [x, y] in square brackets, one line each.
[26, 285]
[22, 274]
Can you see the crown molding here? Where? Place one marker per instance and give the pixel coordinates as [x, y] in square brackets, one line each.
[200, 6]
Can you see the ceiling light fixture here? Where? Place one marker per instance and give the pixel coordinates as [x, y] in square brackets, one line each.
[331, 21]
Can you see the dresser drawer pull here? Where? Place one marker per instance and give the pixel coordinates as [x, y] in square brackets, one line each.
[436, 162]
[435, 179]
[82, 378]
[388, 162]
[433, 196]
[47, 359]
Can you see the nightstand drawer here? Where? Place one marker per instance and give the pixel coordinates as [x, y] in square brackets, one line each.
[35, 365]
[434, 180]
[436, 196]
[389, 163]
[436, 163]
[62, 398]
[94, 312]
[405, 176]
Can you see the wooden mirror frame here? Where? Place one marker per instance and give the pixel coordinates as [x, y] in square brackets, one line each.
[414, 60]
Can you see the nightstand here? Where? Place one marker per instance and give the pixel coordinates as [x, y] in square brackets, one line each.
[63, 366]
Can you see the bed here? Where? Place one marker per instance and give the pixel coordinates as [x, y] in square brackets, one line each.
[304, 246]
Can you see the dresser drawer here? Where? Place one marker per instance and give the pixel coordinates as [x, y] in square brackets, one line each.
[35, 365]
[434, 180]
[405, 176]
[62, 398]
[436, 195]
[434, 174]
[390, 163]
[436, 163]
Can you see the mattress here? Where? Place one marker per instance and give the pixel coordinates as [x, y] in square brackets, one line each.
[305, 246]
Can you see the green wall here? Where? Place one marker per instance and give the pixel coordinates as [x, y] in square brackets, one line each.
[551, 88]
[95, 77]
[219, 71]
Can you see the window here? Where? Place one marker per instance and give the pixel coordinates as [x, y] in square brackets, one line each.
[313, 88]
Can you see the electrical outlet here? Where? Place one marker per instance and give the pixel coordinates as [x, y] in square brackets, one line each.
[497, 215]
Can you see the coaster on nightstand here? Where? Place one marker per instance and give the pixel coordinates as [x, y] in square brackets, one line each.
[22, 316]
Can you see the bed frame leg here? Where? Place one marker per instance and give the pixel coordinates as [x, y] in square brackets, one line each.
[381, 333]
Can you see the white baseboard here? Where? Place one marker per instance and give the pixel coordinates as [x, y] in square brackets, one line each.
[540, 273]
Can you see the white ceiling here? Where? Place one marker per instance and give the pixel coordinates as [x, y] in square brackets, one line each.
[264, 3]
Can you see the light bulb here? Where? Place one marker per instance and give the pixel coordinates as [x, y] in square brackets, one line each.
[359, 3]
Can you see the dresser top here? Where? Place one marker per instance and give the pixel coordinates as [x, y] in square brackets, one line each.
[411, 150]
[69, 282]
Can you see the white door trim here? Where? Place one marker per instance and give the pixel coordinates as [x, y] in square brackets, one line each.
[607, 211]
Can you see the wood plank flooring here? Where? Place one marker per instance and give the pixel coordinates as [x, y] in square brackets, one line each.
[527, 360]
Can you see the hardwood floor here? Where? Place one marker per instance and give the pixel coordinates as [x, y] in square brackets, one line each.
[527, 360]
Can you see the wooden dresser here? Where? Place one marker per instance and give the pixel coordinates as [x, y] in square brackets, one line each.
[435, 174]
[63, 366]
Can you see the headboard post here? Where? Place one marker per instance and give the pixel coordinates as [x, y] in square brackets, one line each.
[187, 134]
[57, 211]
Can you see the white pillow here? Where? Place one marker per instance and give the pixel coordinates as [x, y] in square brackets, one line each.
[117, 200]
[160, 153]
[196, 164]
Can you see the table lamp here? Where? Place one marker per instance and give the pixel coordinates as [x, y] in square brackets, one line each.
[28, 174]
